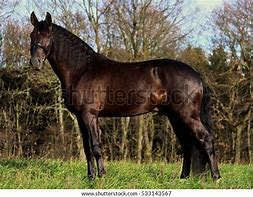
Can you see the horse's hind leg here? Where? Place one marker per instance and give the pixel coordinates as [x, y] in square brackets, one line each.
[185, 140]
[205, 139]
[186, 162]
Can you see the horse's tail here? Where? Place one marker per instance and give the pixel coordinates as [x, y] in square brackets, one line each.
[206, 107]
[199, 157]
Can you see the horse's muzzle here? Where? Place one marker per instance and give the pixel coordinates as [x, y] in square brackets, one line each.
[37, 63]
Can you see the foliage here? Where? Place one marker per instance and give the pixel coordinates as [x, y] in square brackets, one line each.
[16, 45]
[231, 62]
[218, 59]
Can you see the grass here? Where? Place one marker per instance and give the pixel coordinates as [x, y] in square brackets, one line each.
[52, 174]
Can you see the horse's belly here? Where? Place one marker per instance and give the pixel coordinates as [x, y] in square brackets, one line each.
[133, 104]
[124, 113]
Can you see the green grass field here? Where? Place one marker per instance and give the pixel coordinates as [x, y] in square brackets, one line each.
[51, 174]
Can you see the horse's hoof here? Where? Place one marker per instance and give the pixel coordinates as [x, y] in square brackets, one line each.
[216, 176]
[102, 173]
[184, 176]
[92, 176]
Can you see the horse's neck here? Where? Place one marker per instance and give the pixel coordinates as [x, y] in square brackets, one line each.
[70, 57]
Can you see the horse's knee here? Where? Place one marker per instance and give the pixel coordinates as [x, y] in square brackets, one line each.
[209, 145]
[200, 132]
[97, 151]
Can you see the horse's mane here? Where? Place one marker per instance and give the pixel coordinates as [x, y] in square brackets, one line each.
[71, 49]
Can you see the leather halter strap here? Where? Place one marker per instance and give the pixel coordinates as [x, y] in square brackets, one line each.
[46, 50]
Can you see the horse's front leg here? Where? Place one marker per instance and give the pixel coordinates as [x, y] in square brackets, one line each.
[95, 133]
[99, 157]
[87, 144]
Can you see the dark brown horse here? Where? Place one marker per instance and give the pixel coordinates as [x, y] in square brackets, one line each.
[94, 86]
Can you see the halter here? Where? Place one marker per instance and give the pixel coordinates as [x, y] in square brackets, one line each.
[46, 50]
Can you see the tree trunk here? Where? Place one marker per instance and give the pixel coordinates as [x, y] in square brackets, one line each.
[250, 138]
[79, 140]
[148, 132]
[250, 125]
[175, 148]
[18, 128]
[60, 117]
[124, 128]
[92, 11]
[140, 120]
[169, 141]
[7, 137]
[251, 144]
[245, 138]
[238, 144]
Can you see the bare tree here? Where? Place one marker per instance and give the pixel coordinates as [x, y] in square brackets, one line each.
[16, 44]
[146, 29]
[95, 11]
[6, 9]
[233, 22]
[68, 14]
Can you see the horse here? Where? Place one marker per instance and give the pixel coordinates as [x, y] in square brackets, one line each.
[95, 86]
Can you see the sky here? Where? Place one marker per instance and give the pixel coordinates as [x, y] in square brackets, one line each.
[203, 31]
[208, 4]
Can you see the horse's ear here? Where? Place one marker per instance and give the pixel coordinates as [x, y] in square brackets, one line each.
[34, 19]
[48, 19]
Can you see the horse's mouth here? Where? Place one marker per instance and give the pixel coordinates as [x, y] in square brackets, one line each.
[36, 63]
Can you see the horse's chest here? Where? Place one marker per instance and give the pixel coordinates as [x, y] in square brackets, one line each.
[71, 100]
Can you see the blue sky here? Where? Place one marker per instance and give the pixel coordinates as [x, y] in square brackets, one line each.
[203, 31]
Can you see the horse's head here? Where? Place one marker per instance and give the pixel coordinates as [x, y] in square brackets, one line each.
[41, 40]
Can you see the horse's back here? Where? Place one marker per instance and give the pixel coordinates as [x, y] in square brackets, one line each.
[167, 74]
[165, 66]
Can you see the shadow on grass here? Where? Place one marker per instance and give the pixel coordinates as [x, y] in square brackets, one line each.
[16, 164]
